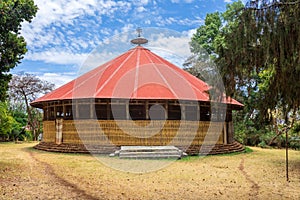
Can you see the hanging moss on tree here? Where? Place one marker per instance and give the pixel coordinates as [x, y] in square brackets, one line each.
[266, 44]
[256, 49]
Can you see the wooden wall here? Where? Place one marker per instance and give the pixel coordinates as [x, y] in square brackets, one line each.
[49, 131]
[100, 132]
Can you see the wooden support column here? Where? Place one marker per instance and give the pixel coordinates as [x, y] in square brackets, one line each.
[92, 108]
[64, 110]
[182, 111]
[55, 114]
[198, 112]
[230, 132]
[166, 109]
[58, 127]
[225, 132]
[147, 109]
[76, 109]
[127, 110]
[46, 111]
[108, 109]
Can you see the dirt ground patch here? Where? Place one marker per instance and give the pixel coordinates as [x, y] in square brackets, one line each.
[26, 173]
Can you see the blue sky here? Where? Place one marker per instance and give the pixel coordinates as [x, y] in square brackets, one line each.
[63, 34]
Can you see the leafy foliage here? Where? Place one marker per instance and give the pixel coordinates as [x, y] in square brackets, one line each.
[6, 120]
[262, 56]
[206, 34]
[256, 49]
[13, 124]
[12, 44]
[207, 41]
[295, 136]
[24, 88]
[266, 43]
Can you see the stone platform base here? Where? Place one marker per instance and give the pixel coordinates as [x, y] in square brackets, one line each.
[213, 149]
[75, 148]
[192, 150]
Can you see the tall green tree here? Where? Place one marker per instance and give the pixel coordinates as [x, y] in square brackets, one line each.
[266, 44]
[248, 48]
[12, 44]
[208, 39]
[205, 35]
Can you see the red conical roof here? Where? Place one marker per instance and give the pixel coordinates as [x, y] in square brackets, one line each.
[136, 74]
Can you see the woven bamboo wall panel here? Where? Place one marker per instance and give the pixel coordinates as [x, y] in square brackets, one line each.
[49, 131]
[135, 132]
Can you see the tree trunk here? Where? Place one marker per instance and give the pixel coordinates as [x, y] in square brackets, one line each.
[286, 156]
[286, 140]
[274, 138]
[30, 118]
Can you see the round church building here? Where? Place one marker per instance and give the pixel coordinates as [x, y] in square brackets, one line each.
[137, 99]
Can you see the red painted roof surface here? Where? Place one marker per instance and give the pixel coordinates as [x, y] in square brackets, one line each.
[136, 74]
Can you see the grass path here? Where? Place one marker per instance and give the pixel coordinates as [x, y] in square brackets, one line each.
[26, 173]
[24, 176]
[64, 184]
[254, 186]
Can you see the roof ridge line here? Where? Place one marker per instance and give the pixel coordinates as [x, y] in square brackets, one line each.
[136, 75]
[110, 77]
[107, 64]
[78, 85]
[180, 75]
[176, 72]
[162, 77]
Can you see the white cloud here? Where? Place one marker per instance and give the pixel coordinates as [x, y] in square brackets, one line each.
[228, 1]
[96, 59]
[57, 57]
[141, 2]
[58, 79]
[126, 28]
[190, 33]
[141, 9]
[178, 46]
[161, 21]
[148, 22]
[172, 45]
[186, 1]
[144, 2]
[67, 14]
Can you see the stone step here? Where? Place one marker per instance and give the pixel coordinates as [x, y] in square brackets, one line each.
[149, 153]
[152, 152]
[148, 148]
[149, 156]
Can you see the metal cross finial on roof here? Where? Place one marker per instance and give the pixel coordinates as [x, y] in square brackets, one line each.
[139, 31]
[139, 40]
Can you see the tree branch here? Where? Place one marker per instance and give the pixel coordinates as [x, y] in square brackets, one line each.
[276, 4]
